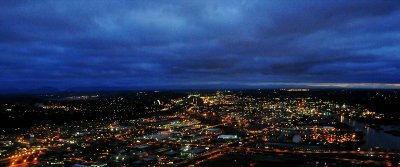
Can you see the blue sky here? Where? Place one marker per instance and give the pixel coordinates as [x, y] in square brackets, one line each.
[199, 44]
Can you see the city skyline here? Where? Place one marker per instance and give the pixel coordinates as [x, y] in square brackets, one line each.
[199, 44]
[277, 127]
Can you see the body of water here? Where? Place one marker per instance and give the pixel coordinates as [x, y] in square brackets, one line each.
[376, 138]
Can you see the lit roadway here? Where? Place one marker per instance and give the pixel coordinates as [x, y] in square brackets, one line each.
[19, 161]
[229, 147]
[220, 151]
[213, 126]
[23, 158]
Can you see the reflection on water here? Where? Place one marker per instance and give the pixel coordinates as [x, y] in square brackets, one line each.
[375, 138]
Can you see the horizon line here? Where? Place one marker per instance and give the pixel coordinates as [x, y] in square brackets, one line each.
[211, 86]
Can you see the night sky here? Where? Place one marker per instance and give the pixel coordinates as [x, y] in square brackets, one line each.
[199, 44]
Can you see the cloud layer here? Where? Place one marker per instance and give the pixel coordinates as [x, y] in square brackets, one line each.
[151, 44]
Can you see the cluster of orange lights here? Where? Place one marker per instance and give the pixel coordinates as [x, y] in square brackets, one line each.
[24, 161]
[24, 155]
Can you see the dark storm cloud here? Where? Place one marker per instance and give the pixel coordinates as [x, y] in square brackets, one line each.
[200, 43]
